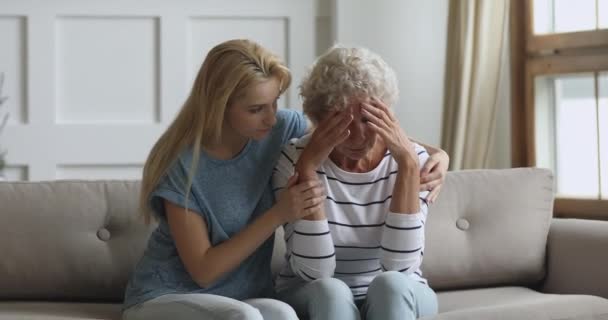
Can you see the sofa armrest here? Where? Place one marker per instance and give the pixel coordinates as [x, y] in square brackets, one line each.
[577, 257]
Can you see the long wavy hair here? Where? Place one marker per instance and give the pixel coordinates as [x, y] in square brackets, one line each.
[229, 69]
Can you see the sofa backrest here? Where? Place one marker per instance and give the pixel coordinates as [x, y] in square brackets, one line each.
[79, 240]
[69, 240]
[489, 228]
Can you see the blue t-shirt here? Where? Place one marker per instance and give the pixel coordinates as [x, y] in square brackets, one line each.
[228, 194]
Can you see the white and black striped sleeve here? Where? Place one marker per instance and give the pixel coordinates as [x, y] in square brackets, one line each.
[310, 250]
[284, 169]
[403, 234]
[403, 241]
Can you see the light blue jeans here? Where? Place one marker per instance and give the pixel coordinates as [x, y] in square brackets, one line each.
[208, 307]
[391, 295]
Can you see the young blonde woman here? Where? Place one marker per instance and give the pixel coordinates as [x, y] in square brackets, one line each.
[207, 183]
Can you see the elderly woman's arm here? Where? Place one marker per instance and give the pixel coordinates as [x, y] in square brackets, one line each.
[403, 232]
[329, 133]
[403, 235]
[310, 248]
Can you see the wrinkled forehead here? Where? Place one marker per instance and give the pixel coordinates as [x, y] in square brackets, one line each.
[349, 104]
[353, 103]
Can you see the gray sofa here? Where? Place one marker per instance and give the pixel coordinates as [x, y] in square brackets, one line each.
[493, 249]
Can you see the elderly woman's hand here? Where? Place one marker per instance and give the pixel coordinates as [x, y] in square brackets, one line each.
[433, 174]
[332, 131]
[382, 120]
[385, 124]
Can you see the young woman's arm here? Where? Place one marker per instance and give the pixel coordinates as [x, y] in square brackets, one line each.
[206, 263]
[433, 172]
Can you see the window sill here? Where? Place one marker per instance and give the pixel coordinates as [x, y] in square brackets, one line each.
[581, 209]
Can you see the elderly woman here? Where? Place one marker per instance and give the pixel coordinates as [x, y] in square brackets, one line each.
[361, 255]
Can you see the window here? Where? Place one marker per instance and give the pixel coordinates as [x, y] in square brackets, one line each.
[571, 135]
[560, 98]
[559, 16]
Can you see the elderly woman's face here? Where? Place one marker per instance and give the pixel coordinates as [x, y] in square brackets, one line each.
[361, 139]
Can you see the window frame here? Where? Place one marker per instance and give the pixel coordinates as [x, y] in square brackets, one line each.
[539, 55]
[568, 40]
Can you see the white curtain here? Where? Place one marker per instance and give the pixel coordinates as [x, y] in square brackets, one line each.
[477, 81]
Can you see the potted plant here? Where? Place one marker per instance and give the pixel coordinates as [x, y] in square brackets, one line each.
[3, 121]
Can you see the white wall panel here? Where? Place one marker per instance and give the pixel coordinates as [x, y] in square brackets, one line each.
[270, 32]
[93, 84]
[12, 35]
[15, 173]
[106, 69]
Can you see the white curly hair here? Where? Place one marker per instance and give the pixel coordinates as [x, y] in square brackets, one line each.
[342, 74]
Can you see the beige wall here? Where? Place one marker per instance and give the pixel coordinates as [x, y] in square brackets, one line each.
[419, 60]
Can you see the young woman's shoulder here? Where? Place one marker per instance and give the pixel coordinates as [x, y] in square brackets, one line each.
[291, 124]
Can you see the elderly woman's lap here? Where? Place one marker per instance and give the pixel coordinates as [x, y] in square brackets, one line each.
[394, 295]
[391, 295]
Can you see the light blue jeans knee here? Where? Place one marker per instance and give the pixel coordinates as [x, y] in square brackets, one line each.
[394, 295]
[209, 307]
[322, 299]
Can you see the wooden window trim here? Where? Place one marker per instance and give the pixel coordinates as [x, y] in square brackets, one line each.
[581, 208]
[518, 25]
[566, 64]
[538, 55]
[558, 41]
[564, 41]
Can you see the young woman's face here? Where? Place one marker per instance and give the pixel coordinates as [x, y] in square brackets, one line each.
[253, 115]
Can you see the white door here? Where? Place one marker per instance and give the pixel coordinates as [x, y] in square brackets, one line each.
[92, 84]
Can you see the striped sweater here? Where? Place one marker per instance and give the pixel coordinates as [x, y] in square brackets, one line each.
[361, 238]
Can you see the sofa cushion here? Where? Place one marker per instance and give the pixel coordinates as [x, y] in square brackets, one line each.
[577, 257]
[489, 228]
[68, 239]
[517, 303]
[55, 310]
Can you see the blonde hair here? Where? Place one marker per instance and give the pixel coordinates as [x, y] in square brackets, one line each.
[341, 74]
[229, 69]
